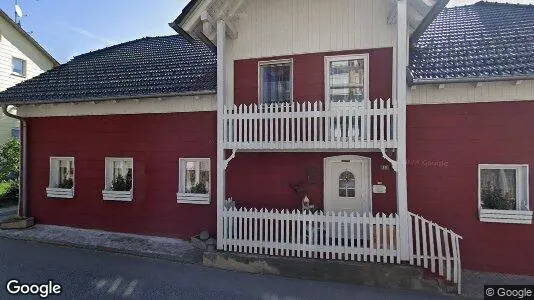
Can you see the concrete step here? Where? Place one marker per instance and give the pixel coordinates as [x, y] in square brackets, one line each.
[371, 274]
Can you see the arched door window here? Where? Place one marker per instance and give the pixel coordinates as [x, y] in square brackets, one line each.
[347, 184]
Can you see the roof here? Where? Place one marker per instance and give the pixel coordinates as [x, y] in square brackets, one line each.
[481, 42]
[150, 66]
[28, 37]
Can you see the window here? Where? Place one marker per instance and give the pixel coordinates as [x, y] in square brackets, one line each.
[347, 184]
[347, 78]
[276, 81]
[18, 66]
[119, 179]
[61, 179]
[194, 185]
[15, 132]
[503, 194]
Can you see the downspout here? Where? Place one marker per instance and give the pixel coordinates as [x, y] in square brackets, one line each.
[23, 176]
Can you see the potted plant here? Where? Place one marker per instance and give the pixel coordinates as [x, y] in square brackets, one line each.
[65, 189]
[121, 188]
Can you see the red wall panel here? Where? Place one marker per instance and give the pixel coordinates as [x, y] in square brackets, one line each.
[445, 145]
[155, 141]
[308, 75]
[264, 180]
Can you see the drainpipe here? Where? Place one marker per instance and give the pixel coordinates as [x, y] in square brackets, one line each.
[23, 175]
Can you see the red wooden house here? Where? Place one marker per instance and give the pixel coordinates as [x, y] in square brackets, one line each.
[382, 131]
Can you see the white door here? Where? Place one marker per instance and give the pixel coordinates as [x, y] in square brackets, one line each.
[347, 184]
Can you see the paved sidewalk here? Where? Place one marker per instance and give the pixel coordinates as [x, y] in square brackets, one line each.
[139, 245]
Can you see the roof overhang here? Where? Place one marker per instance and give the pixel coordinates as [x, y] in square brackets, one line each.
[198, 19]
[470, 79]
[108, 98]
[19, 29]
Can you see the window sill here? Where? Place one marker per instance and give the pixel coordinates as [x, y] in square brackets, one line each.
[193, 198]
[59, 193]
[125, 196]
[18, 75]
[505, 216]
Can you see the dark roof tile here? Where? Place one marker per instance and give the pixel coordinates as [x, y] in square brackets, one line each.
[484, 40]
[143, 67]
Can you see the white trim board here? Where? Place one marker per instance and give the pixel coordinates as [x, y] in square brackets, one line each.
[495, 91]
[195, 103]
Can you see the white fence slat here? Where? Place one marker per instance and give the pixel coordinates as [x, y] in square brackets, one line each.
[431, 232]
[439, 246]
[424, 240]
[417, 243]
[447, 254]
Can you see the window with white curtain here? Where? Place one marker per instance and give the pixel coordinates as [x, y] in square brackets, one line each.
[61, 172]
[503, 193]
[276, 81]
[194, 181]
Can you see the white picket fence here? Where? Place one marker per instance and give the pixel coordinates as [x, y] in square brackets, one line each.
[436, 248]
[342, 236]
[330, 235]
[299, 125]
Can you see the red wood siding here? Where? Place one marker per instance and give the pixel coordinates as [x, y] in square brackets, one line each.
[308, 75]
[155, 141]
[445, 145]
[264, 180]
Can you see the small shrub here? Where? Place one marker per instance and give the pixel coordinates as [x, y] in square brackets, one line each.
[199, 188]
[121, 183]
[493, 198]
[66, 183]
[9, 160]
[11, 195]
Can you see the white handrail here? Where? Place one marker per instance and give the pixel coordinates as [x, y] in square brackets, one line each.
[436, 248]
[310, 125]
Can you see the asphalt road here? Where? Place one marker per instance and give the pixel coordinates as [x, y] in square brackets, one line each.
[87, 274]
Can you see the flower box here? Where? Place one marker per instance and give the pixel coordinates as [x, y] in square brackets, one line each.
[505, 216]
[17, 223]
[59, 193]
[117, 195]
[188, 198]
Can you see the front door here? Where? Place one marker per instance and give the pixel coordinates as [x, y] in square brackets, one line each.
[347, 185]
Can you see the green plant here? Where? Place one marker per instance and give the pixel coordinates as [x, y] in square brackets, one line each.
[66, 183]
[9, 159]
[199, 188]
[121, 183]
[10, 195]
[494, 198]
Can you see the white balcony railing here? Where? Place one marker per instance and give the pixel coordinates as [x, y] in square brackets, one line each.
[309, 125]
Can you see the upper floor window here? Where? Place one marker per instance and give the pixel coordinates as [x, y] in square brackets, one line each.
[18, 66]
[503, 194]
[347, 78]
[276, 81]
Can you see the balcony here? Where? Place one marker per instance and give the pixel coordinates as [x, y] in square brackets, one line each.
[311, 126]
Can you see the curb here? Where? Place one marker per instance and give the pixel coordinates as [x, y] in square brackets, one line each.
[159, 256]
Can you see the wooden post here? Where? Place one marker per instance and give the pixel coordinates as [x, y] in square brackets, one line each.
[402, 64]
[221, 182]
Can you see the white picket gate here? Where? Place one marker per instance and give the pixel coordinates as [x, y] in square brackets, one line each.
[330, 235]
[436, 248]
[299, 125]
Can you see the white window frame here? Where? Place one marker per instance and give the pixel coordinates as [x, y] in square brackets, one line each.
[24, 67]
[190, 198]
[109, 194]
[516, 216]
[52, 191]
[329, 59]
[275, 62]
